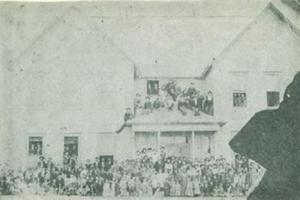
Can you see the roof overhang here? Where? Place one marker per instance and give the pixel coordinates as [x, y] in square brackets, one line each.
[175, 127]
[175, 121]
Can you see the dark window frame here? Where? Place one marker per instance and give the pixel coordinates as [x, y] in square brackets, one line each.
[34, 143]
[271, 102]
[150, 91]
[69, 143]
[237, 103]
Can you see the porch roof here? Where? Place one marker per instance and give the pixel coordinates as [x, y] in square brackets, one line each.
[165, 117]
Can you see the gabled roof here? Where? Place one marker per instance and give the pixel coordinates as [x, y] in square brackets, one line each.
[163, 39]
[290, 9]
[68, 71]
[287, 14]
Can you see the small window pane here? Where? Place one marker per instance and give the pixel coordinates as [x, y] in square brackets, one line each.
[152, 87]
[239, 99]
[273, 98]
[35, 145]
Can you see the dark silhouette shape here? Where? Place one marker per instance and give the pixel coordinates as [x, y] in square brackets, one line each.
[272, 138]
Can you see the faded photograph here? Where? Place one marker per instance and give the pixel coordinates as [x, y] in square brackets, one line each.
[150, 99]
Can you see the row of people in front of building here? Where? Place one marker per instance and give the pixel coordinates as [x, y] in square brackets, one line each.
[160, 175]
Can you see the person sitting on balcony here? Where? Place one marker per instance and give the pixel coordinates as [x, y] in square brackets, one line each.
[183, 103]
[193, 101]
[148, 105]
[200, 101]
[137, 102]
[169, 102]
[172, 89]
[127, 116]
[191, 91]
[157, 104]
[197, 103]
[194, 104]
[208, 104]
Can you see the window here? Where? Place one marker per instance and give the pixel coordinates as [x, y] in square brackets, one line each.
[239, 99]
[152, 87]
[35, 146]
[273, 98]
[71, 145]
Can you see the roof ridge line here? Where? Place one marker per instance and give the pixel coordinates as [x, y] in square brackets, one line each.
[292, 25]
[108, 38]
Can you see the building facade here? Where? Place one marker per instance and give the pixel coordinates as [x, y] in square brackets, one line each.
[77, 108]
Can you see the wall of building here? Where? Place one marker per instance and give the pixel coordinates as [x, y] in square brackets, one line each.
[264, 57]
[68, 82]
[125, 145]
[5, 116]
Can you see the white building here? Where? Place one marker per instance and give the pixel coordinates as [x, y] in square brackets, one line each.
[69, 87]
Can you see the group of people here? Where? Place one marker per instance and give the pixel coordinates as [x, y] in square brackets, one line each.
[176, 98]
[152, 173]
[189, 99]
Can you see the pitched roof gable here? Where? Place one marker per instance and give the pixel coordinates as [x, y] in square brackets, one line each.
[274, 8]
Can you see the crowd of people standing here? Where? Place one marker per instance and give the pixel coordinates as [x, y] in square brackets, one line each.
[152, 173]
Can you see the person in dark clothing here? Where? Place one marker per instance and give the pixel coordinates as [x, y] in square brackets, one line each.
[66, 159]
[73, 163]
[194, 102]
[172, 89]
[43, 162]
[209, 104]
[148, 106]
[59, 184]
[200, 101]
[191, 91]
[157, 166]
[4, 189]
[157, 104]
[127, 116]
[137, 103]
[182, 104]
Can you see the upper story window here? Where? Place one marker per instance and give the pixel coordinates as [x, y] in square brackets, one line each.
[152, 87]
[273, 98]
[239, 99]
[35, 146]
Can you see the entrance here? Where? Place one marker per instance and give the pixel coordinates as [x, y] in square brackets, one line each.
[177, 143]
[204, 144]
[106, 161]
[71, 146]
